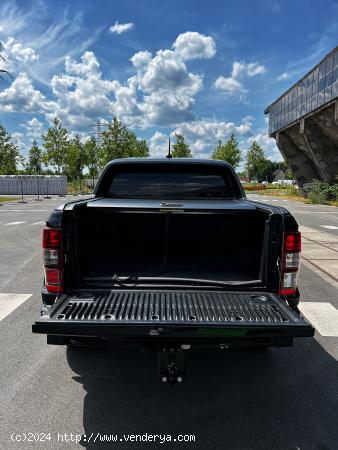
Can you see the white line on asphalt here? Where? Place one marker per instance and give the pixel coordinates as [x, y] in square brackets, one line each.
[38, 223]
[14, 223]
[322, 315]
[329, 227]
[9, 302]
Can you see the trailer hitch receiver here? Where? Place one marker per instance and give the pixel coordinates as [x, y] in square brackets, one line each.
[171, 367]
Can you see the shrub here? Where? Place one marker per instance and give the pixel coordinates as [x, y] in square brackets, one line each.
[322, 192]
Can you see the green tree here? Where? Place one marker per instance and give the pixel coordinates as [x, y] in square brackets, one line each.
[34, 163]
[289, 174]
[256, 163]
[55, 143]
[75, 158]
[229, 152]
[91, 151]
[181, 149]
[119, 142]
[9, 153]
[141, 148]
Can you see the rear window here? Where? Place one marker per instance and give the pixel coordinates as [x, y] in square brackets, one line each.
[179, 185]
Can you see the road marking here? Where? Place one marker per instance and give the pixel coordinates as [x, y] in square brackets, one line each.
[14, 223]
[9, 302]
[329, 227]
[322, 315]
[25, 210]
[38, 223]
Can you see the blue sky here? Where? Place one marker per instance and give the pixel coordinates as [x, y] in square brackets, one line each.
[203, 68]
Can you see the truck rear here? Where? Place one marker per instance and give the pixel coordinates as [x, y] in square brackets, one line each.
[170, 255]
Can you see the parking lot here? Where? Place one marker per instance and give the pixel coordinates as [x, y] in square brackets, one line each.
[279, 399]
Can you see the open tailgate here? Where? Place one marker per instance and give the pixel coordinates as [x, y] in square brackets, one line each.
[198, 314]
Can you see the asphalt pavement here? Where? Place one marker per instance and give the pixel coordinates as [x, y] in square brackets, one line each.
[283, 398]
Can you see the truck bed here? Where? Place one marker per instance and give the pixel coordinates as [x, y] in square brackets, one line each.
[196, 313]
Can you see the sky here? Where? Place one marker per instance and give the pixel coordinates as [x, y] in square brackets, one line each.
[205, 69]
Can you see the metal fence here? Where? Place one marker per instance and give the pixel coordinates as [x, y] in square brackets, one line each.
[33, 184]
[90, 182]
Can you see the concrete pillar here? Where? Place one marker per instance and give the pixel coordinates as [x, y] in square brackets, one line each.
[326, 152]
[300, 163]
[310, 146]
[306, 134]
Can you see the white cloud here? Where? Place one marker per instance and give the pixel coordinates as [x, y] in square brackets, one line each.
[22, 97]
[203, 135]
[18, 139]
[49, 36]
[141, 59]
[15, 51]
[228, 84]
[166, 72]
[88, 67]
[119, 28]
[268, 144]
[284, 76]
[34, 129]
[81, 93]
[193, 45]
[161, 92]
[240, 70]
[126, 105]
[158, 144]
[166, 86]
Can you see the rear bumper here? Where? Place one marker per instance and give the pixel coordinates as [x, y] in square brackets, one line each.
[151, 332]
[158, 316]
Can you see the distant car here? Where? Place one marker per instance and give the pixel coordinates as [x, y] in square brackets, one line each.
[275, 182]
[265, 182]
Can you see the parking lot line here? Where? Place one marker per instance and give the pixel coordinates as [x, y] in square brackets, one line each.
[329, 227]
[14, 223]
[9, 302]
[323, 316]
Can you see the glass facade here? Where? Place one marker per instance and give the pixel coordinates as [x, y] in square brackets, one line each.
[316, 88]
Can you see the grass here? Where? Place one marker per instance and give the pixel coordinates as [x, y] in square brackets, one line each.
[8, 199]
[288, 193]
[285, 192]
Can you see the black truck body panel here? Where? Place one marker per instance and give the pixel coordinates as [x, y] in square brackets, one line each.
[168, 312]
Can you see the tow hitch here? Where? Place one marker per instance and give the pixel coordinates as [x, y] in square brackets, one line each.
[171, 366]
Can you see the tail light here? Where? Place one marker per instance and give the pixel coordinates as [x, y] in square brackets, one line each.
[290, 263]
[53, 259]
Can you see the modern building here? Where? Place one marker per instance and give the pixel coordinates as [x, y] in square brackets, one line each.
[304, 122]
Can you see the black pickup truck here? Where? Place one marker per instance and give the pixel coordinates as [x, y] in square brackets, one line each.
[170, 255]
